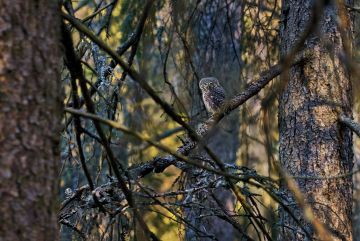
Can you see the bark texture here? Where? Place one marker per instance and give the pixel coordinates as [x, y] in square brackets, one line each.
[312, 142]
[30, 113]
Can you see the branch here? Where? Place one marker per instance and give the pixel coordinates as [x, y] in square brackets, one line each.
[138, 78]
[353, 8]
[97, 11]
[75, 67]
[132, 73]
[166, 161]
[135, 37]
[228, 177]
[355, 127]
[160, 137]
[196, 137]
[132, 41]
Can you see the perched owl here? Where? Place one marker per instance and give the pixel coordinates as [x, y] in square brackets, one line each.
[213, 94]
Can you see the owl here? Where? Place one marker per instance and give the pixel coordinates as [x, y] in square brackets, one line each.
[213, 94]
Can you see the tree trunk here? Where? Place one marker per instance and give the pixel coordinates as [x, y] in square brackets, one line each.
[312, 142]
[30, 112]
[356, 198]
[217, 54]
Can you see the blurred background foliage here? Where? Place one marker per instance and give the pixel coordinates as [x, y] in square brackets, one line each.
[182, 41]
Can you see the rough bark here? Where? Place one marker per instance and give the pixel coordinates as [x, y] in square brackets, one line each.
[312, 142]
[30, 112]
[356, 210]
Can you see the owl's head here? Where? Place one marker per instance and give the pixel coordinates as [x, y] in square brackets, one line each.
[208, 82]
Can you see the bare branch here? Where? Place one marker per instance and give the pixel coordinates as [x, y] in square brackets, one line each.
[355, 127]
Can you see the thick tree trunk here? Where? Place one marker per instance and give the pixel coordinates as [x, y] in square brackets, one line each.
[30, 114]
[312, 142]
[356, 210]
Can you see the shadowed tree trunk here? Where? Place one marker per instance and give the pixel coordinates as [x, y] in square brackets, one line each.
[356, 210]
[30, 113]
[216, 54]
[312, 142]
